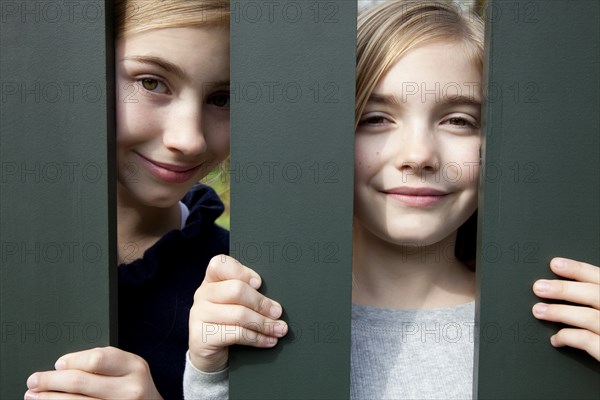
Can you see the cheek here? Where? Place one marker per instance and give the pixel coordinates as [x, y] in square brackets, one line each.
[218, 139]
[134, 122]
[461, 162]
[126, 91]
[365, 157]
[471, 165]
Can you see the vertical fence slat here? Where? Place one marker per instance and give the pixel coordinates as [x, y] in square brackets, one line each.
[540, 191]
[293, 73]
[56, 174]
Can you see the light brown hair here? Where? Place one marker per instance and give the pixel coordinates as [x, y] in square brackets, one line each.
[390, 30]
[135, 16]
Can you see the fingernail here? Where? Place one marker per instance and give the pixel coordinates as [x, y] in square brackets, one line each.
[255, 283]
[60, 364]
[542, 286]
[280, 329]
[540, 309]
[213, 262]
[560, 263]
[553, 340]
[271, 341]
[32, 382]
[30, 395]
[275, 311]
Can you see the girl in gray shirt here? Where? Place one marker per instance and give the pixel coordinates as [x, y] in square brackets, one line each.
[418, 115]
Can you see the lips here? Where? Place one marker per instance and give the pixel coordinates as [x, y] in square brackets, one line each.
[416, 197]
[172, 173]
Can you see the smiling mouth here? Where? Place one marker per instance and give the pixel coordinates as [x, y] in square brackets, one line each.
[169, 172]
[416, 197]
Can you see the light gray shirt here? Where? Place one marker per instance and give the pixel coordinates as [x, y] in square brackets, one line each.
[396, 354]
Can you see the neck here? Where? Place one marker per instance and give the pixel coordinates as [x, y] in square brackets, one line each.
[140, 226]
[387, 275]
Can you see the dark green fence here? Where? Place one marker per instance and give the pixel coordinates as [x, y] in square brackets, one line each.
[292, 169]
[292, 136]
[56, 184]
[540, 191]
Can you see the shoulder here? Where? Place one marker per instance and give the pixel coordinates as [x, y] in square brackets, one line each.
[205, 207]
[202, 194]
[200, 238]
[204, 204]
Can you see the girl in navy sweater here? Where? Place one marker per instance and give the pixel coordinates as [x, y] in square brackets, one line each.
[172, 73]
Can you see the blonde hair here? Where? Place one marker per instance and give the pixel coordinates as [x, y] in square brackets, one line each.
[388, 31]
[135, 16]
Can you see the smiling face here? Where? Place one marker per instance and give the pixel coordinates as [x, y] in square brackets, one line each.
[172, 111]
[417, 147]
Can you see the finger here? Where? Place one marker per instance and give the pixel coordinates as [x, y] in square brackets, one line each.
[236, 315]
[108, 361]
[74, 382]
[222, 268]
[219, 335]
[580, 317]
[241, 293]
[30, 395]
[575, 270]
[209, 343]
[579, 339]
[575, 292]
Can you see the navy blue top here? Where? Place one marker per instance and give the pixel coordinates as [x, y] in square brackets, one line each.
[156, 292]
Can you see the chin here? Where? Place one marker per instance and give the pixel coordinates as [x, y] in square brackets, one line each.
[163, 199]
[414, 241]
[419, 233]
[158, 197]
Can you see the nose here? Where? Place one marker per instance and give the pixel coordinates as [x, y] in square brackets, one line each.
[184, 131]
[417, 150]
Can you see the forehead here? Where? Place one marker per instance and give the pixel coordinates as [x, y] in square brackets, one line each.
[192, 48]
[198, 37]
[433, 66]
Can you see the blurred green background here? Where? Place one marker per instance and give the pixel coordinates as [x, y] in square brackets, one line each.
[218, 179]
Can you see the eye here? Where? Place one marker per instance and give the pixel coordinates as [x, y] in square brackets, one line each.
[220, 99]
[373, 120]
[458, 121]
[153, 85]
[461, 122]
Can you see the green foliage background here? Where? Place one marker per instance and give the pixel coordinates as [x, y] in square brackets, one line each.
[218, 179]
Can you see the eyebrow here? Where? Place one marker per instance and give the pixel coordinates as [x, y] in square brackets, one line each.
[462, 100]
[220, 84]
[161, 63]
[392, 100]
[384, 99]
